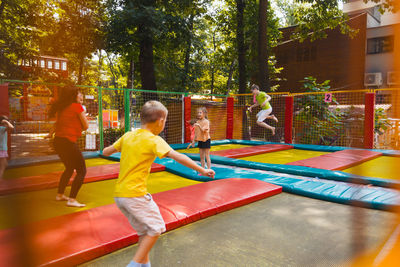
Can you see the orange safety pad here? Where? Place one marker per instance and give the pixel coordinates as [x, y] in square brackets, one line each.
[339, 160]
[50, 180]
[73, 239]
[250, 151]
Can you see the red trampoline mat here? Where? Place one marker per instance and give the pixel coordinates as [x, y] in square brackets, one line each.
[75, 238]
[339, 160]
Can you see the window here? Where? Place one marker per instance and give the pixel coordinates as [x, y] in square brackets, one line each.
[49, 64]
[308, 53]
[42, 63]
[64, 65]
[56, 64]
[380, 45]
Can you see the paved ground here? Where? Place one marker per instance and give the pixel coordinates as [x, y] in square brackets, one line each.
[284, 230]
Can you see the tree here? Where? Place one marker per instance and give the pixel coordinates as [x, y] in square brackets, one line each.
[241, 47]
[263, 73]
[76, 34]
[20, 29]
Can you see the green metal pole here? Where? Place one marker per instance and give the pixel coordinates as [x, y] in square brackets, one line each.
[100, 120]
[127, 108]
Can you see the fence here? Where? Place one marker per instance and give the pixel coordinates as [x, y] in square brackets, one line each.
[110, 111]
[341, 118]
[327, 118]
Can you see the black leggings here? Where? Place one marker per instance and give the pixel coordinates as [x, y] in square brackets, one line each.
[72, 158]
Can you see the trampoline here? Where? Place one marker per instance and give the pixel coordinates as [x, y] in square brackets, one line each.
[243, 168]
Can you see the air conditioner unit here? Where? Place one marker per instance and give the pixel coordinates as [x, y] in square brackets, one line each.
[373, 79]
[393, 78]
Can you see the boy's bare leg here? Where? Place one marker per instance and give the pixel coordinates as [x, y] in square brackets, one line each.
[3, 165]
[272, 117]
[263, 124]
[207, 153]
[146, 242]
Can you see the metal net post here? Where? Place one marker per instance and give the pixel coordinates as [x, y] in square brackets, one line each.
[90, 139]
[216, 115]
[387, 119]
[29, 104]
[172, 101]
[112, 115]
[329, 118]
[250, 128]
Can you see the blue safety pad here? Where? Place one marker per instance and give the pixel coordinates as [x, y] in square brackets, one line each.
[302, 171]
[371, 197]
[113, 157]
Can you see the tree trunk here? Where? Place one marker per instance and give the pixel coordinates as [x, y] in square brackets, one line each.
[131, 74]
[100, 67]
[146, 63]
[81, 60]
[241, 46]
[263, 74]
[187, 55]
[2, 6]
[212, 68]
[229, 82]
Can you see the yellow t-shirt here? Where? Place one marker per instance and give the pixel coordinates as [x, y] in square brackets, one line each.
[138, 151]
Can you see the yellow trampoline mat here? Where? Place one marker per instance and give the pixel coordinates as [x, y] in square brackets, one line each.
[381, 167]
[285, 156]
[46, 168]
[213, 148]
[39, 205]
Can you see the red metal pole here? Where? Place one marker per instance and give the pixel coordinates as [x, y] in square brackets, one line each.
[186, 116]
[289, 100]
[5, 110]
[369, 120]
[229, 117]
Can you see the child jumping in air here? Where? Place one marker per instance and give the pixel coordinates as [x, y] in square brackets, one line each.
[5, 127]
[203, 136]
[263, 100]
[139, 149]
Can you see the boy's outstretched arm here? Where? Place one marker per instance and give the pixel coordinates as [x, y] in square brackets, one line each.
[185, 160]
[109, 151]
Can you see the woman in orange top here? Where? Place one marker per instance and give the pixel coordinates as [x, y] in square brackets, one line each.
[203, 136]
[70, 122]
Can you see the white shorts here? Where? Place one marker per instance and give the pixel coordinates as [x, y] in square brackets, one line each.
[263, 114]
[143, 214]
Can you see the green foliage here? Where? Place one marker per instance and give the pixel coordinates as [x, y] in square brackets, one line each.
[381, 123]
[320, 125]
[112, 134]
[20, 29]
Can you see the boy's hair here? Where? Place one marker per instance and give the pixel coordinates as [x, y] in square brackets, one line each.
[205, 112]
[152, 111]
[192, 121]
[254, 87]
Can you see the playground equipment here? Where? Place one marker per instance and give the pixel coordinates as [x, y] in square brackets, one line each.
[358, 118]
[304, 164]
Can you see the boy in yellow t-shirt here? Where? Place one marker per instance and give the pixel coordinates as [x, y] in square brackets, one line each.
[138, 151]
